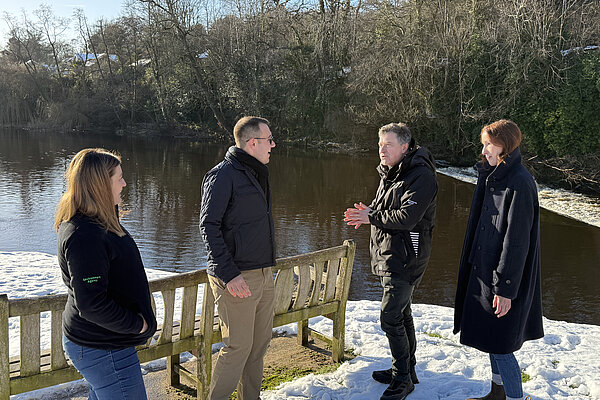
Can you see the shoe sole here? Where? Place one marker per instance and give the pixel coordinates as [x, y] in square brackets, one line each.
[388, 381]
[397, 398]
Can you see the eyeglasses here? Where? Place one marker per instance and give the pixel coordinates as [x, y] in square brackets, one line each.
[270, 139]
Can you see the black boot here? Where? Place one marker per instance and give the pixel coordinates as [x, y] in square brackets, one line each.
[385, 376]
[398, 389]
[496, 393]
[413, 375]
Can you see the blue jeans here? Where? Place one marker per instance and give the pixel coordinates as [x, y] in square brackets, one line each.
[507, 367]
[111, 374]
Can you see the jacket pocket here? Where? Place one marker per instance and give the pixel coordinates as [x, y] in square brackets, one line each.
[394, 251]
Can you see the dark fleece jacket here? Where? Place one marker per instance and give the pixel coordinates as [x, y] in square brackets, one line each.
[107, 287]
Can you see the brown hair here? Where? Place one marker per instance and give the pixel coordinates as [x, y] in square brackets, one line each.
[503, 133]
[245, 128]
[89, 189]
[400, 129]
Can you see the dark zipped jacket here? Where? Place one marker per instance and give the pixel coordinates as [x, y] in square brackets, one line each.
[501, 256]
[402, 216]
[107, 287]
[235, 220]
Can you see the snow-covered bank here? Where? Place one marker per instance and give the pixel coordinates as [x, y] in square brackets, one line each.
[574, 205]
[562, 365]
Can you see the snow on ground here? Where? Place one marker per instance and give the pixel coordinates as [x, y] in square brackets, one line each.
[562, 365]
[574, 205]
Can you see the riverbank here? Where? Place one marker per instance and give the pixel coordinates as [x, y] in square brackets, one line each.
[580, 175]
[563, 365]
[570, 204]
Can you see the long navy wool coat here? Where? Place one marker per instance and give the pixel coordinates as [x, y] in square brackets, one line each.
[501, 255]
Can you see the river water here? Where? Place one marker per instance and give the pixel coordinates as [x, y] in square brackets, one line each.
[311, 190]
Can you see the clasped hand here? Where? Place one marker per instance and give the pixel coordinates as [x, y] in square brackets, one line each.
[358, 215]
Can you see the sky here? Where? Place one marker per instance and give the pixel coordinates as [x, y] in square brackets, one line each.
[93, 9]
[561, 366]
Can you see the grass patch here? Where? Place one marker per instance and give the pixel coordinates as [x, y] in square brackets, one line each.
[284, 374]
[279, 375]
[525, 377]
[434, 335]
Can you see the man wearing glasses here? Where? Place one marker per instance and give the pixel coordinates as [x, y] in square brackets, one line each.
[237, 228]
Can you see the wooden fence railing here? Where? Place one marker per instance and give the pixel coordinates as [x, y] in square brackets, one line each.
[306, 286]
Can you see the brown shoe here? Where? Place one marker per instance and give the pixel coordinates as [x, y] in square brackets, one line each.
[497, 393]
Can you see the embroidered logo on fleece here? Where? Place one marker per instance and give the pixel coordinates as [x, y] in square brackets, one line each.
[91, 279]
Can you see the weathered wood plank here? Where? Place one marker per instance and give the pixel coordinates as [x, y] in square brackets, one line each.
[310, 258]
[331, 279]
[182, 372]
[167, 327]
[302, 334]
[4, 350]
[164, 350]
[339, 317]
[316, 274]
[284, 289]
[204, 358]
[45, 379]
[345, 275]
[320, 336]
[303, 286]
[293, 316]
[35, 305]
[179, 280]
[188, 311]
[57, 355]
[305, 313]
[30, 344]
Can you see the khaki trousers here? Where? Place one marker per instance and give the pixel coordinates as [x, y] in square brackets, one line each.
[246, 328]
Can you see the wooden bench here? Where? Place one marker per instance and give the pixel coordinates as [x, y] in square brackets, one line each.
[306, 286]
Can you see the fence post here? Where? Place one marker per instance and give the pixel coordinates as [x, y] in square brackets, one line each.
[204, 359]
[4, 351]
[339, 317]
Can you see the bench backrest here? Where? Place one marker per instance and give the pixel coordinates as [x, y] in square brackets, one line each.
[305, 286]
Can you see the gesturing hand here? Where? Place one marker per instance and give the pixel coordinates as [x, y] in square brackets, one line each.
[358, 215]
[238, 287]
[502, 305]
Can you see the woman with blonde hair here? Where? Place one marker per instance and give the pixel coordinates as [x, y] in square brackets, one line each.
[498, 301]
[108, 310]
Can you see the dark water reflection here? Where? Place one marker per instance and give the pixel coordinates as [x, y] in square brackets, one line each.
[310, 192]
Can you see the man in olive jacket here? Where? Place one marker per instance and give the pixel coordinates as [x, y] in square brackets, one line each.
[237, 228]
[401, 217]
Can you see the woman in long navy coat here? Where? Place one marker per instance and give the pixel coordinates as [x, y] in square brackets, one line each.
[498, 298]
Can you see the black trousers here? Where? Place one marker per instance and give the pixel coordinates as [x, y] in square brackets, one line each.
[397, 323]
